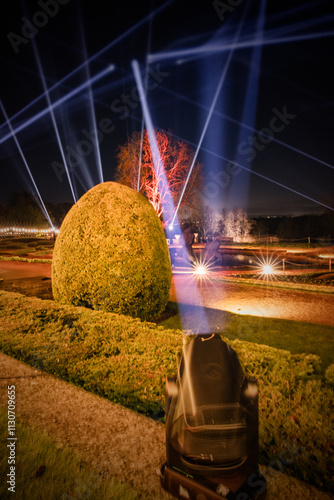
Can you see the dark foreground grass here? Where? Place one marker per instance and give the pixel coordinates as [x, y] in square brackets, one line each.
[65, 474]
[295, 336]
[127, 361]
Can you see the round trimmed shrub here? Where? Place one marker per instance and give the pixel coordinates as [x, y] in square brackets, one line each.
[111, 254]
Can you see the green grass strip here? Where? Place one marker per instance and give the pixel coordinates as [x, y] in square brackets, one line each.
[127, 361]
[65, 474]
[25, 259]
[296, 336]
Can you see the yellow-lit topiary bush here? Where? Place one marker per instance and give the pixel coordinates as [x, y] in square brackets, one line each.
[111, 254]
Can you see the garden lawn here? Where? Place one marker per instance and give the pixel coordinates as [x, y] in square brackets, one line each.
[127, 361]
[47, 472]
[295, 336]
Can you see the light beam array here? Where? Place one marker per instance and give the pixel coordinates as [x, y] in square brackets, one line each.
[44, 210]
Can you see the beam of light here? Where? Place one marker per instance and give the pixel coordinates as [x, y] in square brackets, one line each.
[53, 118]
[227, 160]
[143, 121]
[283, 16]
[96, 144]
[140, 153]
[214, 102]
[278, 184]
[248, 127]
[223, 47]
[44, 210]
[95, 56]
[59, 102]
[85, 178]
[158, 163]
[251, 97]
[268, 179]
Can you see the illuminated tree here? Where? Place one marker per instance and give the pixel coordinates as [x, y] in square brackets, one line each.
[176, 158]
[236, 224]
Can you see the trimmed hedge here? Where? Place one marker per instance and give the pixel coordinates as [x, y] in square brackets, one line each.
[111, 254]
[127, 361]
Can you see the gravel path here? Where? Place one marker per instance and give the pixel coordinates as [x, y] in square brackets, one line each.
[115, 440]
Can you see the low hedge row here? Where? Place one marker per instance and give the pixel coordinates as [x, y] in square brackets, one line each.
[25, 259]
[127, 361]
[309, 278]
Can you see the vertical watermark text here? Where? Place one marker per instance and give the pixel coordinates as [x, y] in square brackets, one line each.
[11, 445]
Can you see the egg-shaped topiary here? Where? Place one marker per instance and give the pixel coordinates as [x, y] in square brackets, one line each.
[111, 254]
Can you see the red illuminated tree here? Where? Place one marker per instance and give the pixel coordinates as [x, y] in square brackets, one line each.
[175, 162]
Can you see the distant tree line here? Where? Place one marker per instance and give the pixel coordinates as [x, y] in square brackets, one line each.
[295, 228]
[23, 209]
[236, 224]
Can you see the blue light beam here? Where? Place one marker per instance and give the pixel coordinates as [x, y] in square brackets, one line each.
[57, 103]
[229, 160]
[160, 169]
[143, 121]
[157, 162]
[248, 127]
[96, 144]
[220, 85]
[46, 214]
[94, 57]
[219, 48]
[251, 97]
[268, 179]
[53, 118]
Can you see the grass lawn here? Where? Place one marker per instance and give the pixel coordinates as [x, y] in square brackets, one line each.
[65, 474]
[294, 336]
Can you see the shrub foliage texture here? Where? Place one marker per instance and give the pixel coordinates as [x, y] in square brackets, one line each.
[111, 254]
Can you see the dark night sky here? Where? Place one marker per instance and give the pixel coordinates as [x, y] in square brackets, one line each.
[284, 88]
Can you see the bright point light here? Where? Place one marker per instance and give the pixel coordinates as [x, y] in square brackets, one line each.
[267, 269]
[267, 266]
[200, 270]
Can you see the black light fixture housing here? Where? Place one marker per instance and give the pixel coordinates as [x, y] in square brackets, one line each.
[212, 439]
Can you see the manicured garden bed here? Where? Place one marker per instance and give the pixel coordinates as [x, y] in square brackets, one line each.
[127, 361]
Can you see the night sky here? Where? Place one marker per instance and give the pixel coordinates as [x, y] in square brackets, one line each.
[277, 80]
